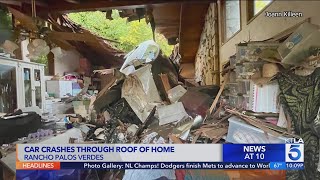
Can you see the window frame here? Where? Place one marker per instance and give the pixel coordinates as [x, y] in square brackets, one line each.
[224, 38]
[250, 10]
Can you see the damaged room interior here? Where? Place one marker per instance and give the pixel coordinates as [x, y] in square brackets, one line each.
[159, 72]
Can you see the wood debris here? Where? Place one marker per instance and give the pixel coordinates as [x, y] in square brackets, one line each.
[259, 124]
[213, 106]
[196, 137]
[174, 139]
[215, 133]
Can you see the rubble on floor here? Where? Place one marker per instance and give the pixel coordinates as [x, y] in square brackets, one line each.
[147, 104]
[271, 92]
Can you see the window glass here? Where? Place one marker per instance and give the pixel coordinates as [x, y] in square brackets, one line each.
[232, 18]
[259, 5]
[8, 90]
[27, 87]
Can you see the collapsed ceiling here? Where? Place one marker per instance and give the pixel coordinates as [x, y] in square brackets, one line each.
[180, 21]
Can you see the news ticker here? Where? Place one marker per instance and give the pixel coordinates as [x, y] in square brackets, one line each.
[288, 156]
[159, 165]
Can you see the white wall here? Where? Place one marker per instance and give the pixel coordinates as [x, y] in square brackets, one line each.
[68, 63]
[24, 50]
[262, 27]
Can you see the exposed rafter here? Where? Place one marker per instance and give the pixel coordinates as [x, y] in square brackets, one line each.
[174, 19]
[65, 6]
[20, 2]
[191, 29]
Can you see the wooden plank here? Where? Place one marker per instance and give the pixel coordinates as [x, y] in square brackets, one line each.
[215, 133]
[223, 119]
[165, 82]
[63, 44]
[216, 114]
[250, 10]
[166, 85]
[190, 34]
[86, 37]
[216, 60]
[25, 2]
[25, 20]
[196, 138]
[261, 125]
[213, 106]
[175, 139]
[7, 174]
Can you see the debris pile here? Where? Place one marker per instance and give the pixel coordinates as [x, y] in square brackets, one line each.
[145, 103]
[263, 99]
[269, 90]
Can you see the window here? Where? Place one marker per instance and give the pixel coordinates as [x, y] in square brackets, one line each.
[5, 25]
[256, 6]
[231, 18]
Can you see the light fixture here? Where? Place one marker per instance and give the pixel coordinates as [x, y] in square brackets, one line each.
[9, 47]
[37, 48]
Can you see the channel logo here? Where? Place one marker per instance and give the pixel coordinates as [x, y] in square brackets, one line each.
[294, 153]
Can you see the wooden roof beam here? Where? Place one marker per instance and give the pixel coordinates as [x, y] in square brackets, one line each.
[66, 7]
[20, 2]
[191, 26]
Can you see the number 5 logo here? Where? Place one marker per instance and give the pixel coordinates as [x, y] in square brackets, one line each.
[294, 153]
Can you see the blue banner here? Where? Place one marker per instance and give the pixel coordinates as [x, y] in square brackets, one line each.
[295, 166]
[254, 153]
[278, 165]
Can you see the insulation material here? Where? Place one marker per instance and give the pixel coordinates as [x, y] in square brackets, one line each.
[140, 91]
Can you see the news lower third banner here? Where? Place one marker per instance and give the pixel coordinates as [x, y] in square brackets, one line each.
[160, 156]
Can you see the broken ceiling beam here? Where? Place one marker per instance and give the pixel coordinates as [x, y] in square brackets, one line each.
[86, 37]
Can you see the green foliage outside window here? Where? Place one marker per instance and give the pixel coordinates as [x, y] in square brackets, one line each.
[5, 19]
[259, 5]
[43, 60]
[128, 34]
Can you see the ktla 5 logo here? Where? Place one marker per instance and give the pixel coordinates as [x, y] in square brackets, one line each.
[294, 153]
